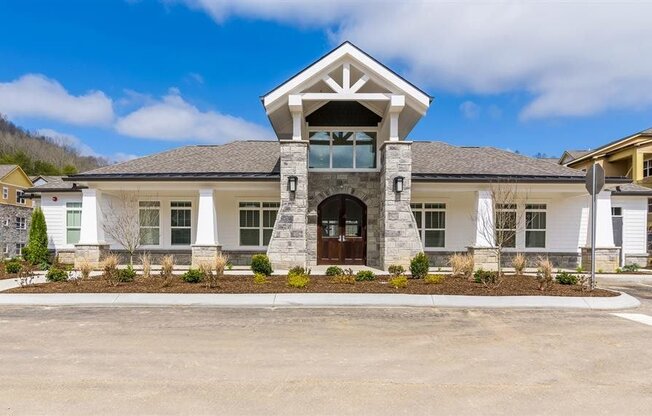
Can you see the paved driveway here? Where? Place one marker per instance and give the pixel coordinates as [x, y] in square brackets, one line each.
[81, 361]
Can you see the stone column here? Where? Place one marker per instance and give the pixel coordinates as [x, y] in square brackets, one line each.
[287, 247]
[91, 246]
[206, 245]
[399, 237]
[485, 255]
[607, 255]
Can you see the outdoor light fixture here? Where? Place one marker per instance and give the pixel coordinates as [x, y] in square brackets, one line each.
[398, 184]
[292, 184]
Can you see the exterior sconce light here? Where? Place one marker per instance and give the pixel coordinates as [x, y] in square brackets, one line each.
[398, 184]
[292, 184]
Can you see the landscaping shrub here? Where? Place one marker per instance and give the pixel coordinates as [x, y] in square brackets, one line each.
[26, 275]
[260, 264]
[126, 275]
[298, 280]
[566, 278]
[260, 279]
[192, 276]
[631, 268]
[56, 275]
[344, 279]
[396, 270]
[110, 268]
[398, 282]
[36, 250]
[13, 266]
[299, 270]
[544, 273]
[167, 269]
[519, 262]
[419, 266]
[462, 265]
[579, 269]
[486, 277]
[334, 271]
[85, 269]
[146, 262]
[434, 279]
[365, 276]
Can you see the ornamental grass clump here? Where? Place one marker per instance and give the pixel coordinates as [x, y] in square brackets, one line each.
[519, 262]
[544, 274]
[85, 269]
[419, 266]
[462, 265]
[398, 282]
[146, 262]
[167, 269]
[110, 269]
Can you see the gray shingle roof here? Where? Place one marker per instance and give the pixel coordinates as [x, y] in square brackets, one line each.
[630, 189]
[261, 159]
[6, 169]
[55, 184]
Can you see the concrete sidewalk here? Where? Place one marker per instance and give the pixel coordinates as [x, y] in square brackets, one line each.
[623, 301]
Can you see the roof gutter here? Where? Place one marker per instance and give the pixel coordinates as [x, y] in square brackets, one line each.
[424, 177]
[169, 177]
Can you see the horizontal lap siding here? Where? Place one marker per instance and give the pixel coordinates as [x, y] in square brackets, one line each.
[55, 218]
[634, 223]
[567, 223]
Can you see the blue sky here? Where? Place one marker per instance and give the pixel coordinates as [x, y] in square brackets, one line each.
[124, 78]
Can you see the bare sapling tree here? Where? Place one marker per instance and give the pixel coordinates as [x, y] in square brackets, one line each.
[503, 219]
[124, 219]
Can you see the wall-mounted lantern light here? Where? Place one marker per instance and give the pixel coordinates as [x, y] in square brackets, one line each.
[398, 184]
[292, 184]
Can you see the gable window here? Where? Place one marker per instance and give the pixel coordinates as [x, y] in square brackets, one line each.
[506, 225]
[257, 222]
[342, 150]
[647, 168]
[73, 222]
[535, 225]
[21, 223]
[431, 223]
[5, 192]
[149, 220]
[20, 197]
[180, 222]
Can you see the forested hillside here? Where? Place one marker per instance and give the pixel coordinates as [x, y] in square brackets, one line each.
[40, 155]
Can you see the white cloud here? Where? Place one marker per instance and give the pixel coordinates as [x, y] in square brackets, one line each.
[172, 118]
[470, 110]
[34, 95]
[573, 58]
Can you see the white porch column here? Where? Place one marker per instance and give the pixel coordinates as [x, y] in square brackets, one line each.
[206, 219]
[296, 109]
[206, 245]
[396, 104]
[92, 230]
[484, 219]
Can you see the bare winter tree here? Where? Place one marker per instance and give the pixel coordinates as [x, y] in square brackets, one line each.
[123, 220]
[500, 224]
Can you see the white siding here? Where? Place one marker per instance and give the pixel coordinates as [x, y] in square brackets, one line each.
[55, 218]
[634, 223]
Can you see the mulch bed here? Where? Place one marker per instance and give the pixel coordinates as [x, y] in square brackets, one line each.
[511, 286]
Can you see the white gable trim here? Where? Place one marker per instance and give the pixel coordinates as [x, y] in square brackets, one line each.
[333, 59]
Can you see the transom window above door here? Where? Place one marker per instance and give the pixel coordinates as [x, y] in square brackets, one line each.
[342, 150]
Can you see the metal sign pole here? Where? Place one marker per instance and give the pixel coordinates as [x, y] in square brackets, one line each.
[593, 226]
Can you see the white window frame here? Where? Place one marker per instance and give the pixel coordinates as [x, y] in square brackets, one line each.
[536, 207]
[510, 208]
[21, 223]
[141, 207]
[261, 208]
[20, 197]
[647, 168]
[177, 227]
[5, 192]
[72, 206]
[330, 130]
[420, 209]
[19, 249]
[6, 249]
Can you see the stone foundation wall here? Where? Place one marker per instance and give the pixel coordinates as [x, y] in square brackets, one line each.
[484, 258]
[364, 186]
[204, 254]
[64, 256]
[93, 253]
[562, 260]
[606, 259]
[10, 235]
[641, 259]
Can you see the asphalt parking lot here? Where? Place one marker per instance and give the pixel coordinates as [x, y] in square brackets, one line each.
[104, 360]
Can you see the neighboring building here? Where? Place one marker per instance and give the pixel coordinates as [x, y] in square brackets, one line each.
[630, 157]
[15, 210]
[341, 185]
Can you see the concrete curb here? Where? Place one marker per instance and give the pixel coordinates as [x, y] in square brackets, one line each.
[623, 301]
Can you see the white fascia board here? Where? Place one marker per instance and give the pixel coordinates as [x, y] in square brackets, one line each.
[334, 57]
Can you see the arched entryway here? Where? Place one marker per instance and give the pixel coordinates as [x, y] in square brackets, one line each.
[342, 231]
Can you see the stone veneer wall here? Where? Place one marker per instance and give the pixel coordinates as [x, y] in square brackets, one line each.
[10, 235]
[399, 237]
[606, 259]
[364, 186]
[485, 258]
[287, 247]
[641, 259]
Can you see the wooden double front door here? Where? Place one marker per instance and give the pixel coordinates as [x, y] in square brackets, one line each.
[342, 233]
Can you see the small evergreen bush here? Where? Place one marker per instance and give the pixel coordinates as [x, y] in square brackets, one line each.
[299, 270]
[13, 266]
[334, 271]
[631, 268]
[36, 250]
[434, 279]
[56, 275]
[398, 282]
[486, 277]
[298, 281]
[419, 266]
[396, 270]
[260, 264]
[192, 276]
[565, 278]
[365, 276]
[126, 275]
